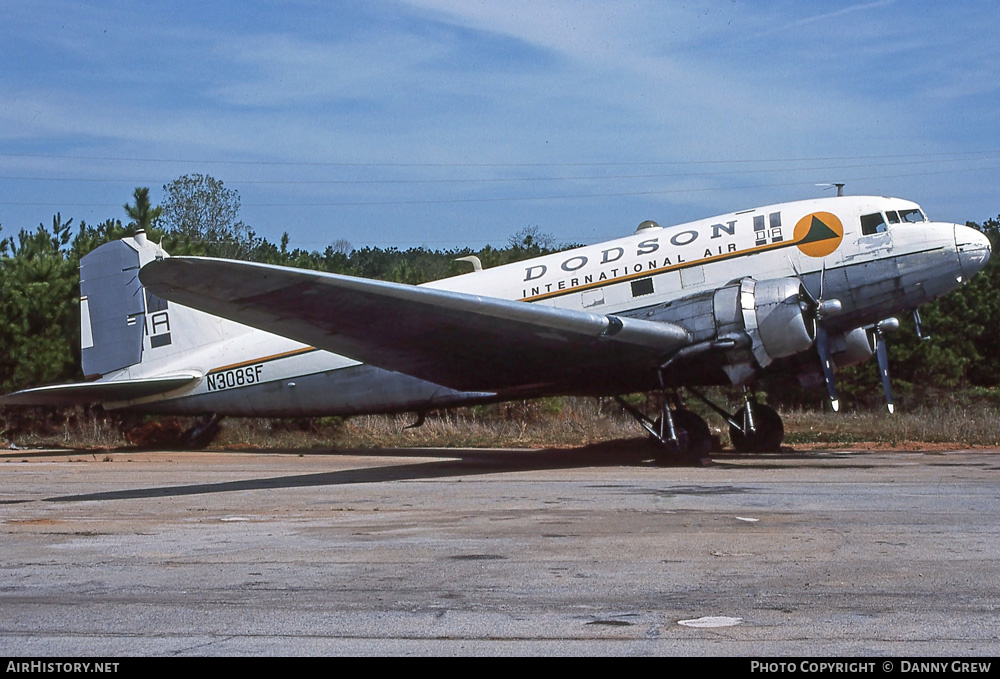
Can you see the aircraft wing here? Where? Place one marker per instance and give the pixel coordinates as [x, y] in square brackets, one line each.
[463, 341]
[93, 392]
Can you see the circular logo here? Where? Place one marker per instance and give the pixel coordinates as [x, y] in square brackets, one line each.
[818, 234]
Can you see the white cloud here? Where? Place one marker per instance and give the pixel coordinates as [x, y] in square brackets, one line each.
[448, 81]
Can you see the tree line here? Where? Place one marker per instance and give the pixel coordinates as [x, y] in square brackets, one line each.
[39, 268]
[39, 304]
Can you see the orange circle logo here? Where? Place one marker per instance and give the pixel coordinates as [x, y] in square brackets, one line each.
[818, 234]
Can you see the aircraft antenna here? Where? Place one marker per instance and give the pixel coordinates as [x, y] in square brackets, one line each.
[830, 185]
[472, 259]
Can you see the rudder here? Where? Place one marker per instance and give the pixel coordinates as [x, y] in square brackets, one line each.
[123, 325]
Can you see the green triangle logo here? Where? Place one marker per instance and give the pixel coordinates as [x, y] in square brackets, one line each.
[818, 231]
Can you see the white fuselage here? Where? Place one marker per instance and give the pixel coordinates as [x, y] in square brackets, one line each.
[832, 244]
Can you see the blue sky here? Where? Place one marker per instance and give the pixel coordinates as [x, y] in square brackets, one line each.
[451, 123]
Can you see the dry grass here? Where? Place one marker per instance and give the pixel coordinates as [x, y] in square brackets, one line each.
[950, 423]
[66, 428]
[544, 423]
[577, 422]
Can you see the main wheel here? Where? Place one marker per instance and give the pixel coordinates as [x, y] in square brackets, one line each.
[694, 439]
[768, 433]
[698, 433]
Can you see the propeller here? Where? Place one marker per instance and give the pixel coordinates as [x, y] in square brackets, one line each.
[821, 308]
[882, 354]
[824, 308]
[918, 324]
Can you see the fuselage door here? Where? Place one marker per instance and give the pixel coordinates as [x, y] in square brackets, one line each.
[873, 272]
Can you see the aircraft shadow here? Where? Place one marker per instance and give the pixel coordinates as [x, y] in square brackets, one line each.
[460, 462]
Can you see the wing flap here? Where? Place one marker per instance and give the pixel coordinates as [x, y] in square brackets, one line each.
[463, 341]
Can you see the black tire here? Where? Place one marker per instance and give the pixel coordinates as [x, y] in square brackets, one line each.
[698, 433]
[768, 435]
[694, 439]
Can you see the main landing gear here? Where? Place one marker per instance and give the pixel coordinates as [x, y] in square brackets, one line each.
[681, 434]
[757, 429]
[202, 433]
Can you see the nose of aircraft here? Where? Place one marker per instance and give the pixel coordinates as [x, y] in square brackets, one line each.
[973, 249]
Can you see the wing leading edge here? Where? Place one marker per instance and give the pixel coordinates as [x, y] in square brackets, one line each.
[463, 341]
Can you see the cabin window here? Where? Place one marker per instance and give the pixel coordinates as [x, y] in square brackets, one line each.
[872, 223]
[643, 286]
[913, 216]
[758, 230]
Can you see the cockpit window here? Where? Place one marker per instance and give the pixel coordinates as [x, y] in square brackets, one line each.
[912, 216]
[874, 223]
[878, 222]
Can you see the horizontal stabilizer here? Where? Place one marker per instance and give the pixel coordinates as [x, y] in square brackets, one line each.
[96, 392]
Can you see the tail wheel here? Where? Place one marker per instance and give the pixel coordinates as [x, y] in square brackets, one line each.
[202, 434]
[766, 435]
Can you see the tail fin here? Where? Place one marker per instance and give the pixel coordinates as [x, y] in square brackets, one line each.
[128, 332]
[134, 345]
[110, 293]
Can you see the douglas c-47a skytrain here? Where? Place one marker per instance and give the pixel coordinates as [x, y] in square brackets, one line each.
[719, 301]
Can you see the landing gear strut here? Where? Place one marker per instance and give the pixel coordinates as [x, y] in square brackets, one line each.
[755, 428]
[699, 435]
[680, 434]
[760, 429]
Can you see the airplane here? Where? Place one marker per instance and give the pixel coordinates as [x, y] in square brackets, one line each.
[805, 287]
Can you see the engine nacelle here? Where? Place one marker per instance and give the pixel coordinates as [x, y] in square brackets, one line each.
[755, 322]
[774, 317]
[858, 345]
[851, 348]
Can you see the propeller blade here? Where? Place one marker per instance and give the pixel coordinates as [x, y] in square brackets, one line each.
[919, 326]
[882, 353]
[820, 309]
[826, 362]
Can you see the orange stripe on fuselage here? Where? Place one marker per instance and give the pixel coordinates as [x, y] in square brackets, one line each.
[264, 359]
